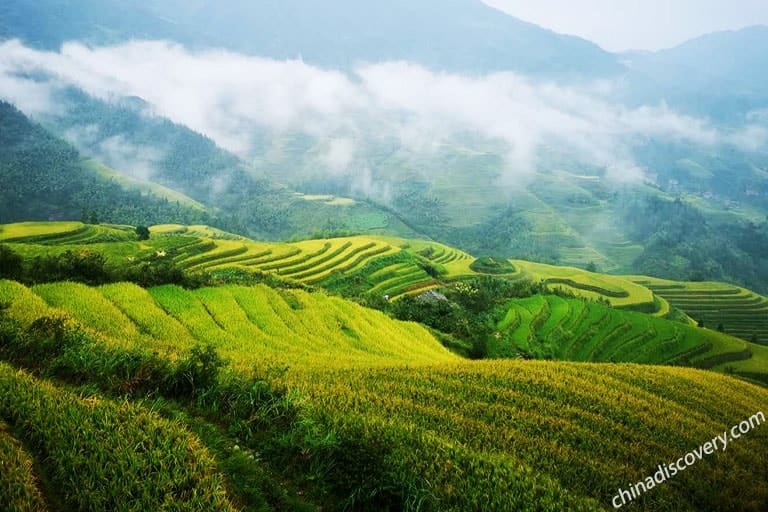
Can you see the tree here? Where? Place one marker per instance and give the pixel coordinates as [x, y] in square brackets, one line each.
[142, 232]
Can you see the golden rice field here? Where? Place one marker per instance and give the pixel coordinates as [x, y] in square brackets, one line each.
[620, 292]
[415, 421]
[545, 436]
[98, 454]
[247, 324]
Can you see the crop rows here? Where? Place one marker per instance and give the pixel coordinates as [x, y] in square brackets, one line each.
[199, 248]
[65, 233]
[619, 291]
[544, 436]
[575, 330]
[27, 231]
[408, 417]
[249, 324]
[99, 455]
[734, 310]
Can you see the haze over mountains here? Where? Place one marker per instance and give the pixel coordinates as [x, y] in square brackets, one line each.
[464, 123]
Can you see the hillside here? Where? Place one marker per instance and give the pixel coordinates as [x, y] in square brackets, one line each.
[44, 178]
[377, 265]
[362, 264]
[729, 308]
[385, 415]
[249, 325]
[150, 154]
[715, 75]
[566, 329]
[640, 326]
[456, 35]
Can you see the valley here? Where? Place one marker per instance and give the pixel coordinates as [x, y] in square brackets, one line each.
[290, 256]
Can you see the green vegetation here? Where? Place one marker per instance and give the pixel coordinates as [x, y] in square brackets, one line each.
[358, 410]
[489, 265]
[45, 178]
[99, 453]
[568, 329]
[731, 309]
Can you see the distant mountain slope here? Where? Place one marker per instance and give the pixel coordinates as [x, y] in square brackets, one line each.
[126, 135]
[720, 75]
[462, 35]
[44, 178]
[49, 23]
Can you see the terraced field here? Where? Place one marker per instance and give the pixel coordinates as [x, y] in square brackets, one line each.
[618, 291]
[406, 421]
[387, 267]
[249, 324]
[575, 330]
[97, 454]
[201, 248]
[735, 310]
[64, 233]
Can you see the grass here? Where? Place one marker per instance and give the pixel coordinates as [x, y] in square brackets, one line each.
[19, 486]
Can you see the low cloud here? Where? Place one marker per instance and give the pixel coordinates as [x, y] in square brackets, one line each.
[136, 161]
[229, 97]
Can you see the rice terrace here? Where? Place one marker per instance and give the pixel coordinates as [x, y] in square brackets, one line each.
[374, 392]
[410, 256]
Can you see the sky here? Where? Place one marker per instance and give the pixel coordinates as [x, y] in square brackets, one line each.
[619, 25]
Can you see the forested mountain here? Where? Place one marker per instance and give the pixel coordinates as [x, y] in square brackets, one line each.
[127, 136]
[45, 178]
